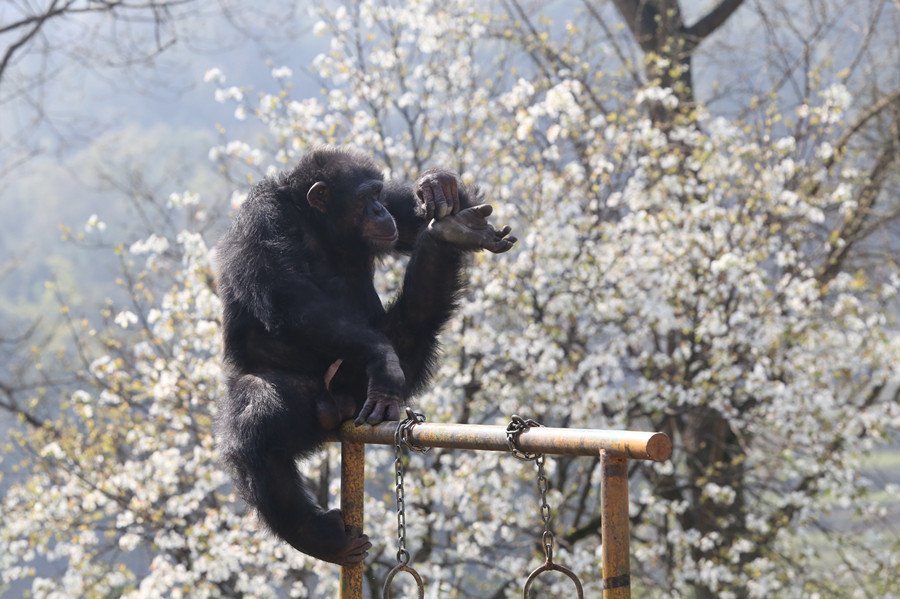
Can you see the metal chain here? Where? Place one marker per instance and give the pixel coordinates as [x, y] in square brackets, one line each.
[402, 553]
[401, 438]
[547, 537]
[516, 427]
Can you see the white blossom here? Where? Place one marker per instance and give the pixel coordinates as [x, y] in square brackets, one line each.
[94, 223]
[282, 72]
[214, 75]
[152, 245]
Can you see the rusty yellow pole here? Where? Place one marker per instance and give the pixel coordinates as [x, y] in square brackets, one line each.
[541, 439]
[614, 527]
[353, 464]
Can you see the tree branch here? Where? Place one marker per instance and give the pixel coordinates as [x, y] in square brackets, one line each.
[849, 231]
[871, 112]
[713, 20]
[37, 22]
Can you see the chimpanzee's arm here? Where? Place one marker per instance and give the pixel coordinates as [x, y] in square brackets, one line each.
[336, 329]
[431, 286]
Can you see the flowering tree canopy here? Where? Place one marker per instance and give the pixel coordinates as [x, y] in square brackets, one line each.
[678, 271]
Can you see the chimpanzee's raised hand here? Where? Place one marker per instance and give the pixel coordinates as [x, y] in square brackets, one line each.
[470, 230]
[438, 194]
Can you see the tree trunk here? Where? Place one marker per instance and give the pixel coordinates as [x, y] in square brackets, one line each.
[668, 44]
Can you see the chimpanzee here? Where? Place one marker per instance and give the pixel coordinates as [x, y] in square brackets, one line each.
[307, 342]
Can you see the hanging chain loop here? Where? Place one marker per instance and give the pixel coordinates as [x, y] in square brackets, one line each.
[516, 427]
[401, 438]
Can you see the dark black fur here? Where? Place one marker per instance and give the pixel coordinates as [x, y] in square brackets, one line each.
[298, 296]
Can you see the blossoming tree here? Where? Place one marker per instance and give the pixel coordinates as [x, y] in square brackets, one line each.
[678, 271]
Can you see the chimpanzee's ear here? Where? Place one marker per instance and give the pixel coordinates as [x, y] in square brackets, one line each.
[318, 196]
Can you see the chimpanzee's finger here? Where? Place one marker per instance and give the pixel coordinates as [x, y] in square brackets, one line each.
[441, 207]
[483, 210]
[500, 246]
[357, 551]
[451, 194]
[426, 199]
[367, 408]
[393, 411]
[376, 416]
[384, 410]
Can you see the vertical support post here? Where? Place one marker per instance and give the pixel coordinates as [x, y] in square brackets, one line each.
[615, 526]
[353, 464]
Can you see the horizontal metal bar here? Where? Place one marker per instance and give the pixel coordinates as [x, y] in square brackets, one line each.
[560, 441]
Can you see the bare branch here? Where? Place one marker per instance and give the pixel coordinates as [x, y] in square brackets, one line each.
[36, 23]
[713, 20]
[158, 14]
[11, 406]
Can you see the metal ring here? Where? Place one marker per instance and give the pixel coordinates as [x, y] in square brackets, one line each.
[386, 591]
[547, 566]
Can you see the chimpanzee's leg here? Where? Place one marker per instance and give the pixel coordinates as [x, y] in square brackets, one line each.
[272, 421]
